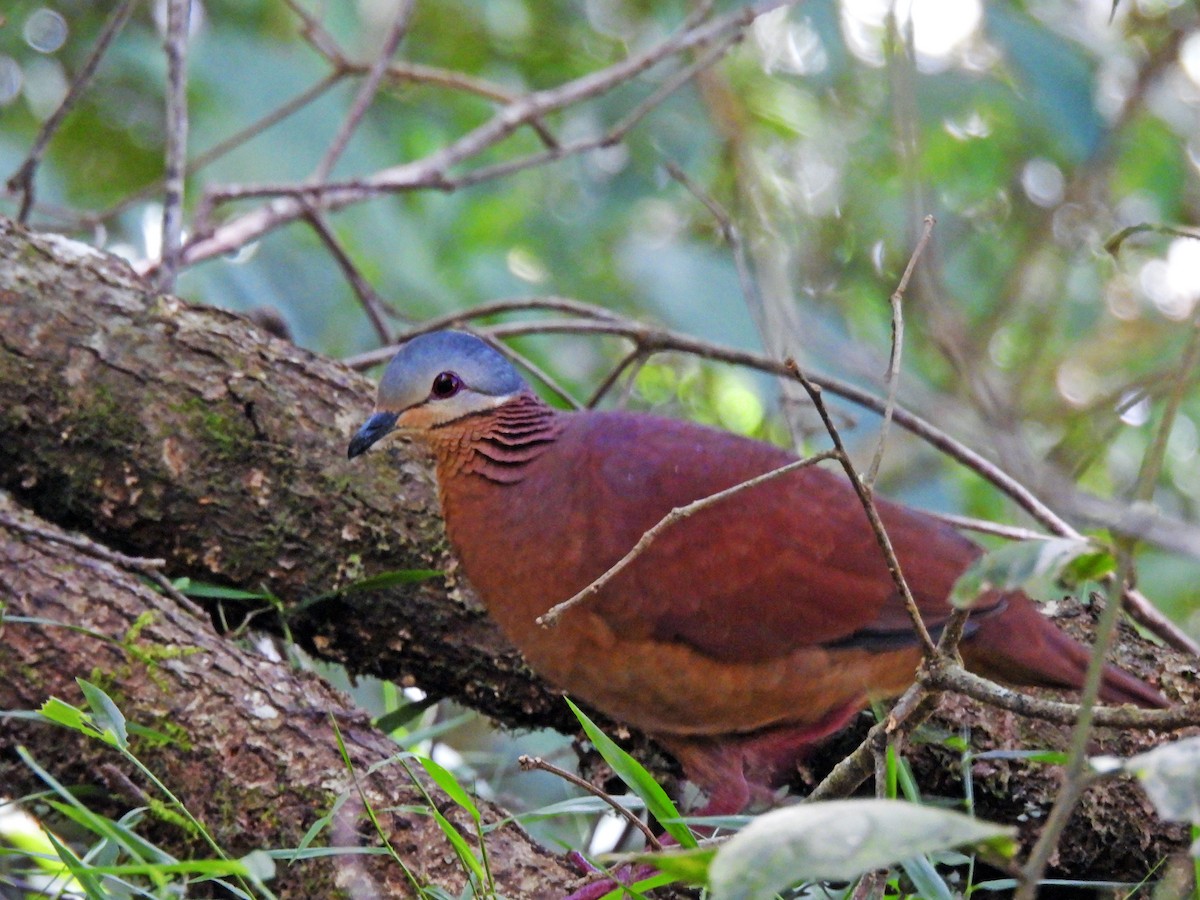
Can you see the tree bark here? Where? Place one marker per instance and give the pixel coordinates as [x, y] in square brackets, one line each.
[169, 430]
[249, 747]
[181, 432]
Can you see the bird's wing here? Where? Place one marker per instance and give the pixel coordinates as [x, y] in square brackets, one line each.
[792, 562]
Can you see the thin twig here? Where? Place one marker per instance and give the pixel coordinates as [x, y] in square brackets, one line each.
[179, 13]
[1012, 532]
[536, 762]
[366, 92]
[948, 676]
[433, 170]
[148, 568]
[868, 504]
[552, 615]
[632, 358]
[914, 707]
[892, 376]
[22, 179]
[370, 301]
[316, 35]
[1150, 617]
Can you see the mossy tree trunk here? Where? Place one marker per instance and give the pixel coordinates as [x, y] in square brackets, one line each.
[247, 743]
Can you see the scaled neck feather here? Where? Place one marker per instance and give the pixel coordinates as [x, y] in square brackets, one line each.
[500, 443]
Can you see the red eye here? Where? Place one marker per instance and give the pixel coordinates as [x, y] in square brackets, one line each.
[445, 385]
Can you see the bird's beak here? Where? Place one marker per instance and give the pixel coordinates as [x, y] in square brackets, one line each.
[379, 425]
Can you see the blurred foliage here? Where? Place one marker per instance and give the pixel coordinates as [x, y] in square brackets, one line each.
[1034, 132]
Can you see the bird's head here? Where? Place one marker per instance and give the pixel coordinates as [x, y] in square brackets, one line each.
[435, 379]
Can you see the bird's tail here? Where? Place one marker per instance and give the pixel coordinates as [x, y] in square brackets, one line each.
[1021, 646]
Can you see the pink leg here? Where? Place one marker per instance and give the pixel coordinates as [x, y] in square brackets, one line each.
[734, 771]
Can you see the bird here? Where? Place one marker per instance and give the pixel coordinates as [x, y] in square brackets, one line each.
[741, 636]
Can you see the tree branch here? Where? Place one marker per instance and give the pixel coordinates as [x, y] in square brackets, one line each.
[251, 753]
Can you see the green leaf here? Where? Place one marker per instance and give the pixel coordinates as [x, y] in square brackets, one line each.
[465, 853]
[373, 583]
[1033, 566]
[925, 878]
[259, 865]
[395, 719]
[637, 778]
[391, 579]
[448, 783]
[1088, 567]
[840, 841]
[293, 854]
[636, 891]
[207, 868]
[62, 713]
[1045, 757]
[686, 866]
[218, 592]
[104, 712]
[115, 832]
[81, 871]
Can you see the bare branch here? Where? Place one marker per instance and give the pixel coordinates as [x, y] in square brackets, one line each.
[948, 676]
[551, 616]
[22, 180]
[1012, 532]
[366, 92]
[372, 304]
[892, 377]
[433, 170]
[868, 504]
[179, 13]
[530, 763]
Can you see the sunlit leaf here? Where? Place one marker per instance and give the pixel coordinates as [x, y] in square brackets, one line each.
[448, 783]
[840, 841]
[637, 778]
[104, 712]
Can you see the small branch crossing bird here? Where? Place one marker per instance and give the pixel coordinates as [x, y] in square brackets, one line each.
[744, 633]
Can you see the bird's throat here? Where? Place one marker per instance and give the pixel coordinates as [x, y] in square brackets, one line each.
[498, 445]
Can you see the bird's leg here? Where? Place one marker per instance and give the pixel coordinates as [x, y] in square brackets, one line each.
[735, 773]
